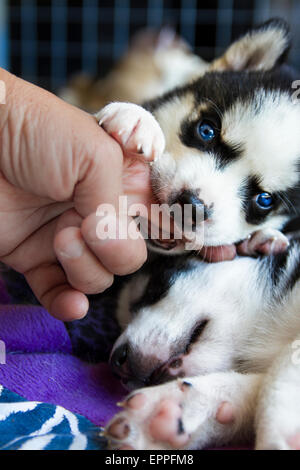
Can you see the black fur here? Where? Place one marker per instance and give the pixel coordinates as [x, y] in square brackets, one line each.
[222, 151]
[163, 272]
[283, 277]
[249, 189]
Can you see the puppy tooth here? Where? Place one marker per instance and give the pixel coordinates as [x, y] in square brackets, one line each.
[120, 404]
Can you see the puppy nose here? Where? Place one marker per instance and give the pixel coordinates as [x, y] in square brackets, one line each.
[199, 209]
[118, 361]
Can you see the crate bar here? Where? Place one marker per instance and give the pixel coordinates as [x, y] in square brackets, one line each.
[4, 35]
[121, 27]
[188, 20]
[28, 44]
[58, 43]
[224, 25]
[262, 11]
[90, 44]
[295, 26]
[155, 13]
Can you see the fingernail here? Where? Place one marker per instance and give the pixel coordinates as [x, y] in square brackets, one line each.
[73, 250]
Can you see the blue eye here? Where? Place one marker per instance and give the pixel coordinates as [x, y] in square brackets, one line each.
[264, 201]
[206, 131]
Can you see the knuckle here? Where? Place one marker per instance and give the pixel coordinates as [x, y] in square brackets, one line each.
[131, 263]
[105, 285]
[91, 287]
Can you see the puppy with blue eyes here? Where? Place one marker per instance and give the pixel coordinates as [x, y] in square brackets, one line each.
[227, 144]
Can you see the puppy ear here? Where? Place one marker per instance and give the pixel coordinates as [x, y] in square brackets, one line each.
[260, 49]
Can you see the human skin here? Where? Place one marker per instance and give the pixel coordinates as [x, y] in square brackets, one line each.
[56, 166]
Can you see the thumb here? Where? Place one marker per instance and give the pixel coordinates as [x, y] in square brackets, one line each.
[100, 182]
[100, 174]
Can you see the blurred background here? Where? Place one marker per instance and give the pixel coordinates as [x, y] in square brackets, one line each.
[48, 41]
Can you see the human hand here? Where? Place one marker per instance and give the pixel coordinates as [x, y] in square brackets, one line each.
[56, 166]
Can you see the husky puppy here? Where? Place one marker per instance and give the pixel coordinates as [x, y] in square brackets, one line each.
[230, 334]
[227, 143]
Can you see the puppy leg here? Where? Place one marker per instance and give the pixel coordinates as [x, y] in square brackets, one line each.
[263, 242]
[188, 413]
[136, 130]
[278, 411]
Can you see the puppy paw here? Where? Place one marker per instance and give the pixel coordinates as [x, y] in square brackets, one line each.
[275, 439]
[136, 130]
[264, 242]
[171, 416]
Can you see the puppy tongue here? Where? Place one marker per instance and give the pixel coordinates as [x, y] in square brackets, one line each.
[215, 254]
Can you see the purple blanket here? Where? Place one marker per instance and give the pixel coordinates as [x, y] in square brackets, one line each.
[40, 367]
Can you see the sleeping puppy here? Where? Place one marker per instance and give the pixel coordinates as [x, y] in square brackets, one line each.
[230, 334]
[226, 145]
[155, 62]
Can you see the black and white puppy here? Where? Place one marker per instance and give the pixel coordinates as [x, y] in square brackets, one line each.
[230, 334]
[228, 143]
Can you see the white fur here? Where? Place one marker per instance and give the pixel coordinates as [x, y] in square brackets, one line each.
[270, 144]
[267, 131]
[252, 327]
[134, 128]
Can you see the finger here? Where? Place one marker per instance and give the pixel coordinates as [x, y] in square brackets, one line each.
[45, 277]
[83, 270]
[70, 218]
[100, 174]
[119, 256]
[49, 284]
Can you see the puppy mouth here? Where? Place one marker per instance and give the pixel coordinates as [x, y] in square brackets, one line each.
[169, 240]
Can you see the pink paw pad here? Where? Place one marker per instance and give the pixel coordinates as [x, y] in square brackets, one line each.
[119, 429]
[225, 413]
[167, 426]
[294, 441]
[136, 402]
